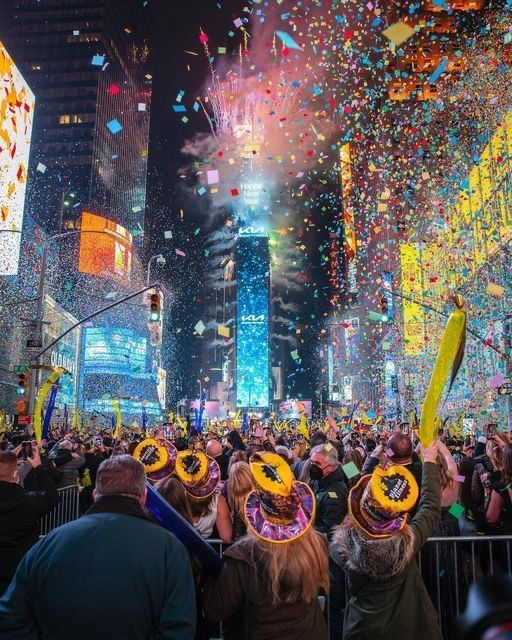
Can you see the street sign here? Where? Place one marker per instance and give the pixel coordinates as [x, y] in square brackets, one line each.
[34, 344]
[20, 368]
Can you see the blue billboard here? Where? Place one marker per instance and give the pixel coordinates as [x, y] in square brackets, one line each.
[114, 351]
[253, 341]
[128, 407]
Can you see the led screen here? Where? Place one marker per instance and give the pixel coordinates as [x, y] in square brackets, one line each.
[107, 253]
[16, 115]
[115, 351]
[252, 351]
[128, 407]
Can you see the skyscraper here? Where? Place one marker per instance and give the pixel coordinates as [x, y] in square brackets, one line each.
[87, 63]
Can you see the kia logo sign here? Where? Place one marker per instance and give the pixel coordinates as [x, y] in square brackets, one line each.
[252, 231]
[253, 318]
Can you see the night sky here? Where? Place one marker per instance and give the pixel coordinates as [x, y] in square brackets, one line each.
[175, 28]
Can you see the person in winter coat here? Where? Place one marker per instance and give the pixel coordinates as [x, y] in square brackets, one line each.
[67, 462]
[113, 573]
[377, 548]
[269, 584]
[329, 487]
[20, 511]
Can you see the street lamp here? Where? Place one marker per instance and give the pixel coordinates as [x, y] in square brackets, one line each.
[160, 260]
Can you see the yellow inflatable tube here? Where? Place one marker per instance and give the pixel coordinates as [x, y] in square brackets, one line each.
[450, 354]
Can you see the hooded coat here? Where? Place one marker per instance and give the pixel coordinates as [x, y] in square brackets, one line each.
[387, 596]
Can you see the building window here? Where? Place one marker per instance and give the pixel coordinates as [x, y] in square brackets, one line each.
[76, 118]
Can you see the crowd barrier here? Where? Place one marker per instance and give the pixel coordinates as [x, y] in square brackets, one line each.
[66, 510]
[448, 565]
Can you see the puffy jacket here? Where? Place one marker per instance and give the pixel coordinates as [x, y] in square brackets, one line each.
[331, 494]
[68, 465]
[19, 521]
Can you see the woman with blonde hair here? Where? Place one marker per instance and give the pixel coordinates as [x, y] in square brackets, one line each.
[238, 486]
[269, 585]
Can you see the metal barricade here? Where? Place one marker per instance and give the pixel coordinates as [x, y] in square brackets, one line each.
[66, 510]
[448, 566]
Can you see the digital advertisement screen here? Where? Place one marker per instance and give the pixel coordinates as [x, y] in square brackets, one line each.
[16, 116]
[132, 408]
[107, 253]
[252, 348]
[115, 351]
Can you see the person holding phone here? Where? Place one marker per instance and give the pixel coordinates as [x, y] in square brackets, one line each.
[21, 510]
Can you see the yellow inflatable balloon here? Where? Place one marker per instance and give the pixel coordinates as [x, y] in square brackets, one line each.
[119, 419]
[449, 357]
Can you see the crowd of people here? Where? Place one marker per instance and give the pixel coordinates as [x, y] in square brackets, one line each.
[336, 515]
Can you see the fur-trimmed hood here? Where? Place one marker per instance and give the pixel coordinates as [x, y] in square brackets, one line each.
[379, 559]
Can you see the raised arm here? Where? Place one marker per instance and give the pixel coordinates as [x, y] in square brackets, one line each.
[429, 509]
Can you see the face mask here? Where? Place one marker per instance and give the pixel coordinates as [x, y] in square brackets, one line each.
[315, 473]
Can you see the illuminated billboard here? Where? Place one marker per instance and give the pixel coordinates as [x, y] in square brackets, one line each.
[114, 351]
[252, 344]
[348, 209]
[105, 248]
[16, 116]
[412, 286]
[128, 407]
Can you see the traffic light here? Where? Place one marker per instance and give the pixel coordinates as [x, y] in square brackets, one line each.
[384, 309]
[22, 383]
[154, 307]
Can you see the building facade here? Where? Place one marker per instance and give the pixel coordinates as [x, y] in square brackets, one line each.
[88, 65]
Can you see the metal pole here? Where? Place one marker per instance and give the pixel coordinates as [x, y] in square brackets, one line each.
[156, 257]
[149, 270]
[38, 333]
[93, 315]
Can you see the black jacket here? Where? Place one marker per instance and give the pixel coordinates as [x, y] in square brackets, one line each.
[223, 461]
[19, 515]
[331, 494]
